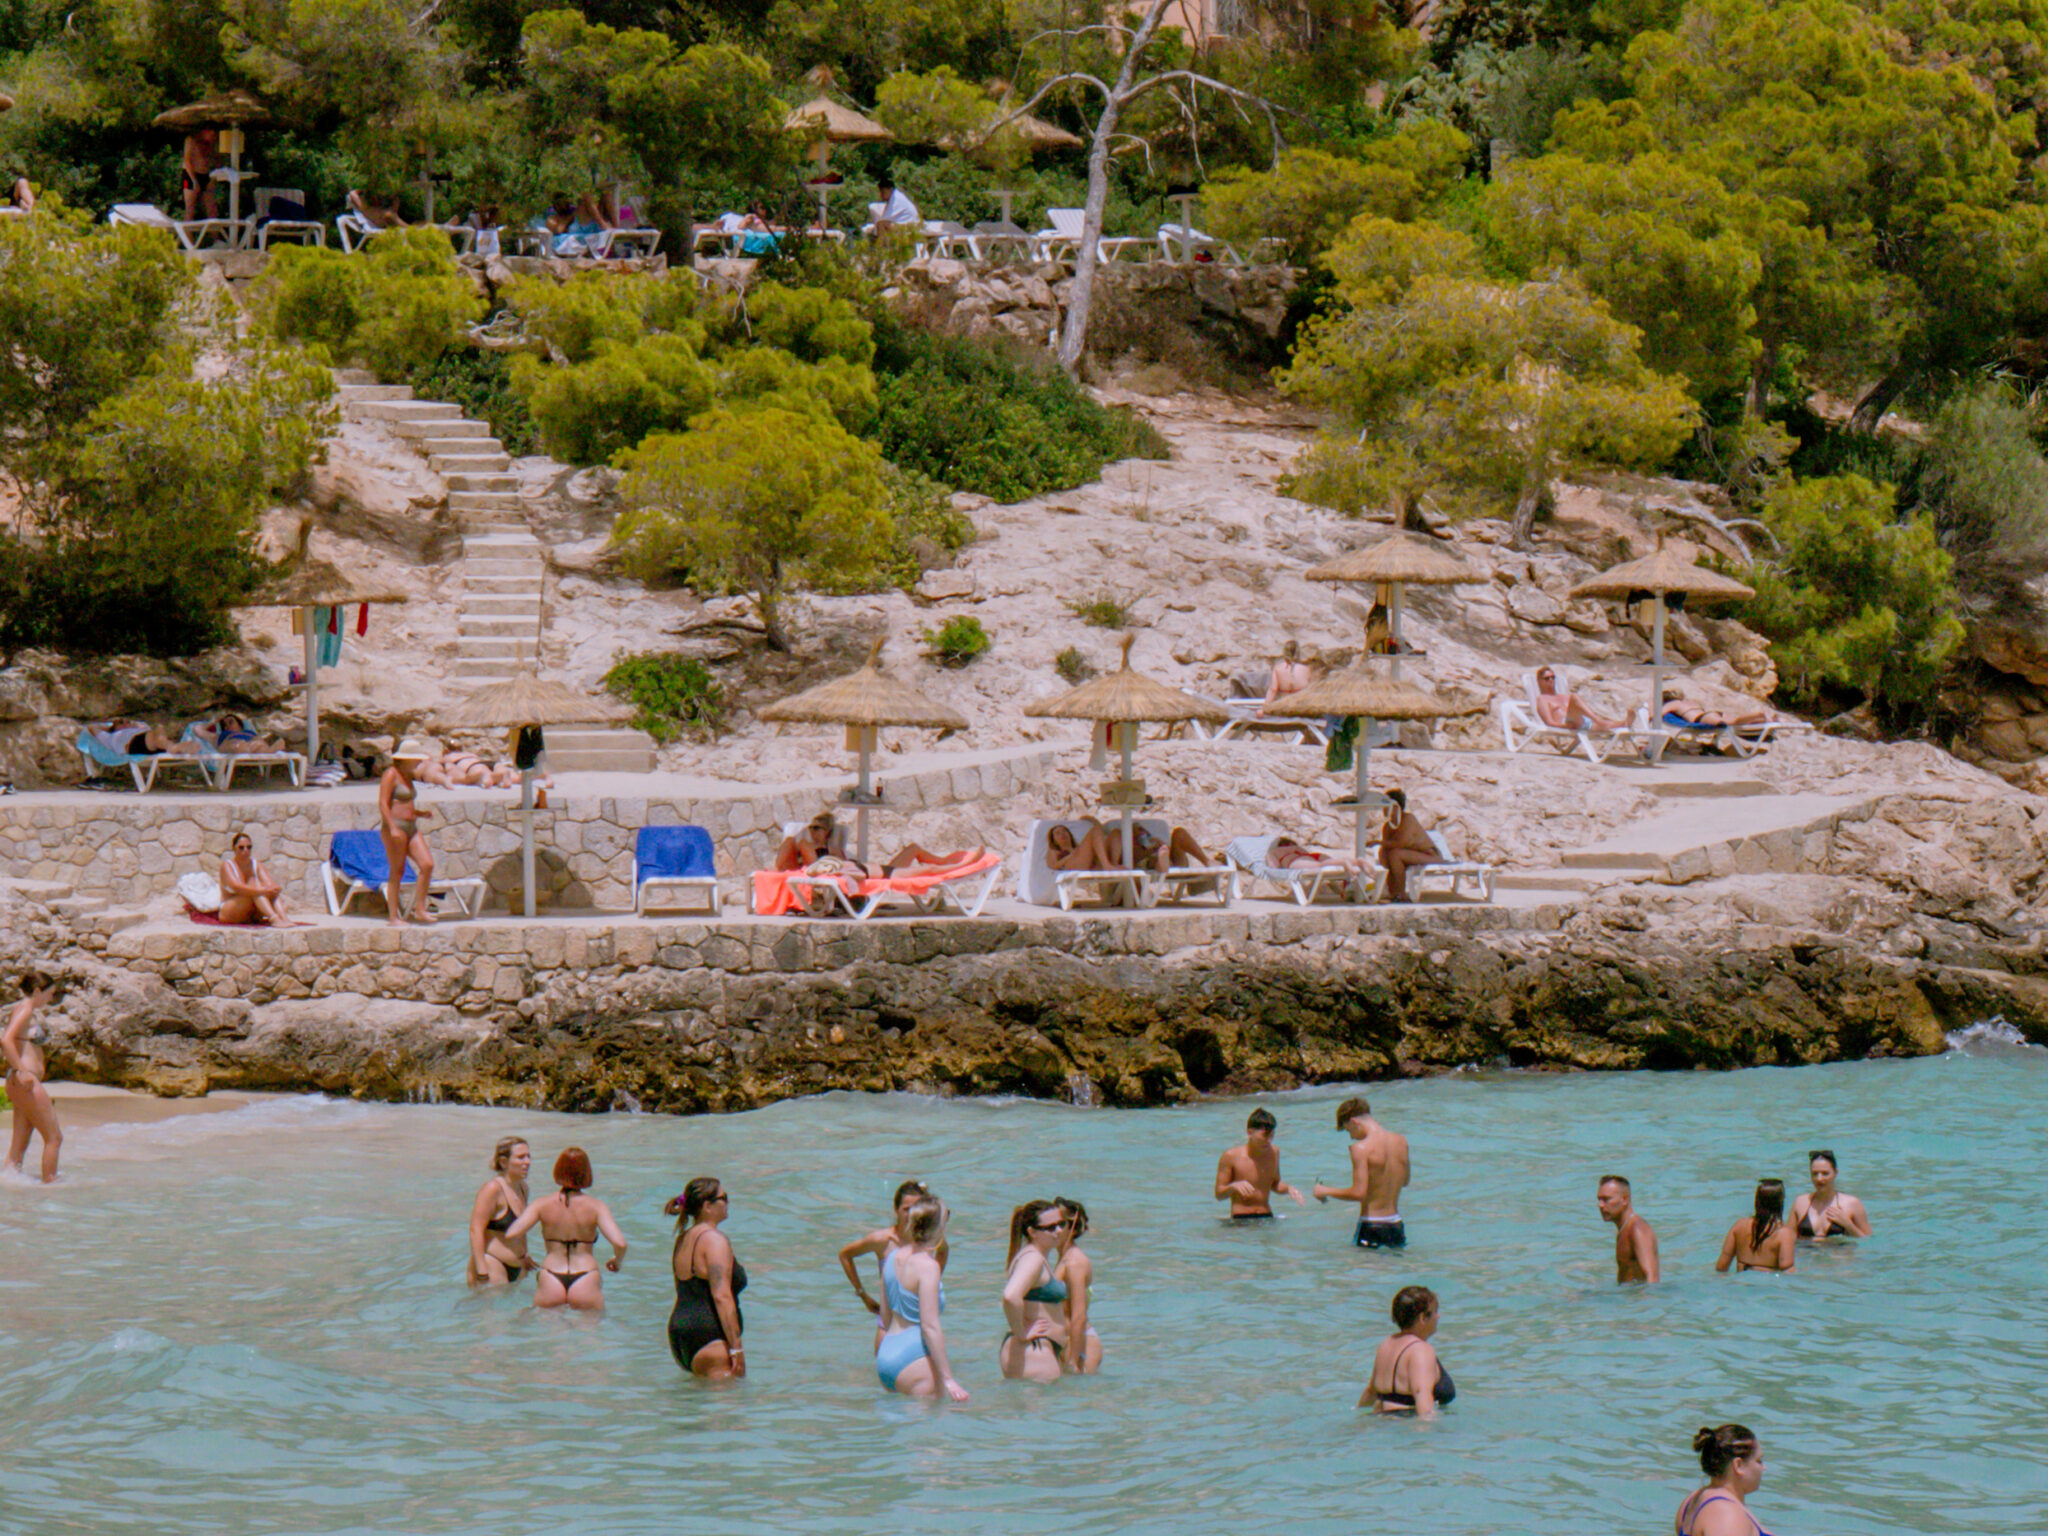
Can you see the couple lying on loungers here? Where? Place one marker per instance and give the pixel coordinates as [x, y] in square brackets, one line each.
[820, 849]
[136, 738]
[1567, 711]
[1102, 848]
[465, 770]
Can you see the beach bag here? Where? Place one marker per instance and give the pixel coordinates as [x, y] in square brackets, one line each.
[201, 892]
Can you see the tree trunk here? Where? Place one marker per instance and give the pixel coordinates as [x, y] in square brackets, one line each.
[768, 603]
[1878, 399]
[1535, 493]
[1081, 297]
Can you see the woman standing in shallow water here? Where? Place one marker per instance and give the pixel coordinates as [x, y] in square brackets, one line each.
[22, 1043]
[912, 1358]
[884, 1241]
[1076, 1271]
[704, 1326]
[1761, 1241]
[1035, 1348]
[1734, 1464]
[570, 1222]
[1406, 1375]
[1827, 1212]
[492, 1259]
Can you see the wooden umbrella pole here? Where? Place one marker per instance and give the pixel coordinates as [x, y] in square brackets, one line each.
[1362, 758]
[1394, 596]
[312, 692]
[1126, 739]
[526, 836]
[860, 800]
[1657, 668]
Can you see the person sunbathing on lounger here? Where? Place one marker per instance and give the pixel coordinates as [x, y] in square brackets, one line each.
[1102, 848]
[132, 738]
[1567, 711]
[231, 733]
[821, 849]
[1286, 853]
[465, 770]
[1685, 712]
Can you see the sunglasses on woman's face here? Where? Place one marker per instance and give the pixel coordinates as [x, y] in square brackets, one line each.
[1057, 1226]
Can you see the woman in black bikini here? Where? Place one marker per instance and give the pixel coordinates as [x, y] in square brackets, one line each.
[1761, 1241]
[22, 1044]
[1734, 1464]
[493, 1260]
[705, 1326]
[1827, 1212]
[1406, 1375]
[569, 1275]
[1034, 1297]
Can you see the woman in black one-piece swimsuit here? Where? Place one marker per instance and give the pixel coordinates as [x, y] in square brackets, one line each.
[705, 1325]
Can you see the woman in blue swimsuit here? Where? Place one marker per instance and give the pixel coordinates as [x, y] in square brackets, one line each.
[1734, 1464]
[912, 1357]
[1034, 1296]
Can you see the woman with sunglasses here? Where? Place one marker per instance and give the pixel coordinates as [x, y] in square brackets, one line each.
[1034, 1296]
[248, 890]
[912, 1358]
[1077, 1273]
[823, 839]
[705, 1325]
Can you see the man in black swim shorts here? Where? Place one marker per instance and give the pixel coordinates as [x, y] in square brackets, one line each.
[1249, 1176]
[1379, 1172]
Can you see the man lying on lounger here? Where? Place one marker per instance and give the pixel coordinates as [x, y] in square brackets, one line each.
[820, 849]
[1567, 711]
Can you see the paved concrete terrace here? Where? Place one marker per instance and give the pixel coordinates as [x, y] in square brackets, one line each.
[1761, 834]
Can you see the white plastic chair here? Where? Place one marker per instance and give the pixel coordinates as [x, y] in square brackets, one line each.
[1522, 725]
[1452, 871]
[304, 231]
[1305, 883]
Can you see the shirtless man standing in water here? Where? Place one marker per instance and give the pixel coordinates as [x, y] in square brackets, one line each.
[1635, 1245]
[1379, 1172]
[1249, 1176]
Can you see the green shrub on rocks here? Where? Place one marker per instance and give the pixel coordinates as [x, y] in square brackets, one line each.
[393, 307]
[669, 693]
[957, 641]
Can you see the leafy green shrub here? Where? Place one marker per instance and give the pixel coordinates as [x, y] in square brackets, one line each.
[669, 693]
[927, 526]
[1104, 612]
[1986, 483]
[481, 383]
[957, 641]
[394, 307]
[1072, 665]
[984, 420]
[1310, 195]
[1856, 598]
[755, 502]
[590, 412]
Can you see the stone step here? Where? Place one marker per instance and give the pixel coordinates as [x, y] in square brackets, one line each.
[527, 584]
[482, 648]
[460, 443]
[498, 529]
[446, 465]
[107, 924]
[618, 749]
[403, 413]
[487, 668]
[510, 605]
[44, 891]
[520, 548]
[485, 501]
[354, 376]
[444, 424]
[497, 626]
[1563, 879]
[78, 906]
[463, 481]
[364, 394]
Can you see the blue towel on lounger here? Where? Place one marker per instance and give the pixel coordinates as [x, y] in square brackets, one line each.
[360, 856]
[675, 853]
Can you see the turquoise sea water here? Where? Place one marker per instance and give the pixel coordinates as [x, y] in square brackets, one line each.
[254, 1322]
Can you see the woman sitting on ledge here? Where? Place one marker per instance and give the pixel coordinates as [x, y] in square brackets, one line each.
[248, 890]
[820, 849]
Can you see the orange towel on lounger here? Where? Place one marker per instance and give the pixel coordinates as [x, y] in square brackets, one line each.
[922, 885]
[774, 897]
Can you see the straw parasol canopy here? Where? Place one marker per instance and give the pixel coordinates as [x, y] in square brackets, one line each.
[1358, 690]
[1125, 695]
[1662, 572]
[869, 697]
[842, 124]
[319, 584]
[524, 699]
[236, 109]
[1038, 134]
[1400, 556]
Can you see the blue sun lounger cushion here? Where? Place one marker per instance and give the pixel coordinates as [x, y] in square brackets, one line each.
[360, 856]
[680, 860]
[356, 866]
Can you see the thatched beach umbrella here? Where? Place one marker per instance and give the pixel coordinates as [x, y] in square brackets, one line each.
[523, 700]
[1659, 575]
[1127, 699]
[234, 111]
[864, 702]
[1398, 560]
[842, 125]
[316, 584]
[1359, 690]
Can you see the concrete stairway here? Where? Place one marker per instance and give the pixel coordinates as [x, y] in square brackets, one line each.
[498, 629]
[84, 914]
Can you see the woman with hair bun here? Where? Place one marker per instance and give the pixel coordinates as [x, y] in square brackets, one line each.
[569, 1275]
[884, 1241]
[1762, 1240]
[1734, 1464]
[704, 1326]
[493, 1260]
[22, 1044]
[1406, 1375]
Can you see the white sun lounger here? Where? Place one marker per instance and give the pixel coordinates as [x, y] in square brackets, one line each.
[1453, 872]
[191, 234]
[1522, 726]
[1064, 238]
[1306, 884]
[965, 894]
[1744, 742]
[1040, 885]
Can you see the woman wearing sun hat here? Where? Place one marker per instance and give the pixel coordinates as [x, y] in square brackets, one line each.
[399, 815]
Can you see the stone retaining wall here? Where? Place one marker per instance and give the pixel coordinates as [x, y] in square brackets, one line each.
[560, 969]
[130, 849]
